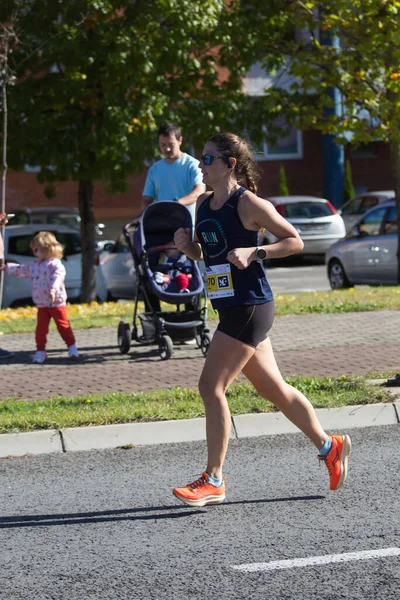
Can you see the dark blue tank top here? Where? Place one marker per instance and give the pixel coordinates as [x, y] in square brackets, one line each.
[220, 231]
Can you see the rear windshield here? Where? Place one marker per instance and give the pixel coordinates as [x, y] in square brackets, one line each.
[19, 244]
[307, 210]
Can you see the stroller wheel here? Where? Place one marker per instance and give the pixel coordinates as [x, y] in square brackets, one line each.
[165, 347]
[124, 337]
[205, 343]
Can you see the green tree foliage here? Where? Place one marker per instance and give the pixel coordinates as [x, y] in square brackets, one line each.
[364, 66]
[348, 188]
[95, 78]
[283, 184]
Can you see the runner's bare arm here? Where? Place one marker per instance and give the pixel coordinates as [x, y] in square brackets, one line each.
[257, 213]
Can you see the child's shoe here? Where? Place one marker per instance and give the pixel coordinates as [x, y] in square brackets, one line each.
[40, 357]
[73, 352]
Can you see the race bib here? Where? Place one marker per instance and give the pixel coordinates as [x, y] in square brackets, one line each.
[219, 281]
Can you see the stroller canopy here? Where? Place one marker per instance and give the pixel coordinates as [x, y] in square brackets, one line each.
[159, 222]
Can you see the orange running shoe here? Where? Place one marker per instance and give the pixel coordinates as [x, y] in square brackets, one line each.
[200, 492]
[336, 460]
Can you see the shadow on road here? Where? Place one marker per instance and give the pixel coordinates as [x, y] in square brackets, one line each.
[128, 514]
[106, 516]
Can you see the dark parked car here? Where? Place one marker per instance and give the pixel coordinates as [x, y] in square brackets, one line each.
[368, 253]
[50, 215]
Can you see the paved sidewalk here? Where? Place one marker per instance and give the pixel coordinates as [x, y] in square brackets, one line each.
[315, 345]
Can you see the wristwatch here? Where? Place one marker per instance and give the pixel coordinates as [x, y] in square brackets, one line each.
[261, 254]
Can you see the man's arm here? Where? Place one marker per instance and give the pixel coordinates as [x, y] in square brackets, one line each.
[146, 200]
[192, 197]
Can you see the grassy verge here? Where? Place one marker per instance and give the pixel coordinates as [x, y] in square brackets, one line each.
[177, 403]
[87, 316]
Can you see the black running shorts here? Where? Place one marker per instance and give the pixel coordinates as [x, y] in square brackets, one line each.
[248, 323]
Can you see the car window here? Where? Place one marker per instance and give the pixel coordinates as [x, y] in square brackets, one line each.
[368, 202]
[372, 222]
[391, 222]
[59, 218]
[18, 218]
[71, 242]
[20, 244]
[353, 207]
[307, 210]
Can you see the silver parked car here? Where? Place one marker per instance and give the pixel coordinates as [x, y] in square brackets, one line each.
[17, 239]
[355, 208]
[317, 221]
[116, 264]
[368, 253]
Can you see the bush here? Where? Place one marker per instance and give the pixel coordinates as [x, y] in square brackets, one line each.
[348, 189]
[283, 185]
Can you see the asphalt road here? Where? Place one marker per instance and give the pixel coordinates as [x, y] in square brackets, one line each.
[301, 278]
[105, 526]
[297, 274]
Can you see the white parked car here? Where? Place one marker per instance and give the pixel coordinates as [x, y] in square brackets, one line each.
[316, 219]
[17, 291]
[355, 208]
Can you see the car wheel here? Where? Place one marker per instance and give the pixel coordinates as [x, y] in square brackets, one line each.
[337, 276]
[165, 347]
[124, 337]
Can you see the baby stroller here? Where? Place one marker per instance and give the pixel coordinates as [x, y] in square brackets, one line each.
[150, 242]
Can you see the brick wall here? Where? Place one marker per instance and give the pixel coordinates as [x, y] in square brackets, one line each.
[304, 177]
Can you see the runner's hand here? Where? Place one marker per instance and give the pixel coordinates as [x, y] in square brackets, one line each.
[241, 257]
[182, 238]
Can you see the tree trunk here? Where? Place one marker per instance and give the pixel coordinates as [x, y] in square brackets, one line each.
[88, 236]
[395, 158]
[3, 177]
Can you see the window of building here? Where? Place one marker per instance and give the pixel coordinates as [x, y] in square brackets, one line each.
[365, 151]
[287, 147]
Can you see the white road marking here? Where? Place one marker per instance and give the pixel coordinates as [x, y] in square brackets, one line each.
[317, 560]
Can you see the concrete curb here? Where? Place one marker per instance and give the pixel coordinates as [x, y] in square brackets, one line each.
[32, 442]
[187, 430]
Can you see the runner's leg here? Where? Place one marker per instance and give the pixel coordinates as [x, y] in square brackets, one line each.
[225, 359]
[263, 372]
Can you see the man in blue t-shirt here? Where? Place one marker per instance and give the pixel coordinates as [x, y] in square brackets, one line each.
[175, 177]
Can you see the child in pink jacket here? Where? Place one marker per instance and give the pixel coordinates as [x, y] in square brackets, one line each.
[47, 274]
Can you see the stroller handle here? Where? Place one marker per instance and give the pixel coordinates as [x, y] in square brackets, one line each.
[133, 223]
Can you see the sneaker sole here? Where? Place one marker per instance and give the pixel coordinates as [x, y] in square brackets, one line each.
[209, 500]
[344, 457]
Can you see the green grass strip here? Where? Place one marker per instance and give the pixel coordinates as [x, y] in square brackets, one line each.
[174, 404]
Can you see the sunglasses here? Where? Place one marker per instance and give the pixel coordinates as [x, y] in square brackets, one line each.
[207, 159]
